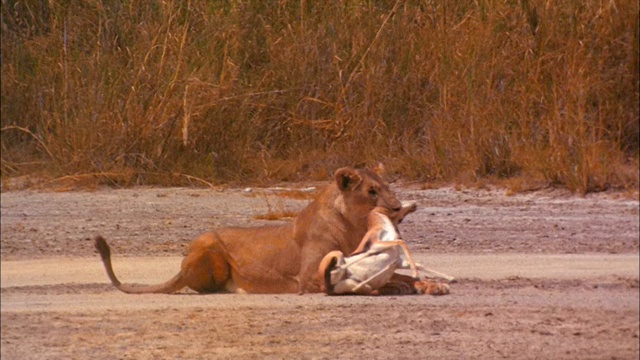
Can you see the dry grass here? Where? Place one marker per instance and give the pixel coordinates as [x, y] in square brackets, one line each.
[259, 92]
[275, 201]
[277, 209]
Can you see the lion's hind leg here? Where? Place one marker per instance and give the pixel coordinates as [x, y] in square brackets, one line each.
[205, 268]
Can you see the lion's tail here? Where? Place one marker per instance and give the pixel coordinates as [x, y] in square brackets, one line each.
[171, 286]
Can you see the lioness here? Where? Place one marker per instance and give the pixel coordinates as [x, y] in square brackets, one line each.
[277, 259]
[370, 269]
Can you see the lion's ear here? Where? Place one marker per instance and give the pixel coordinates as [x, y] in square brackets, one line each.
[379, 169]
[347, 178]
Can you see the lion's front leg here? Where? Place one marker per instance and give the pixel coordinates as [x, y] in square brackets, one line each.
[309, 281]
[407, 285]
[431, 287]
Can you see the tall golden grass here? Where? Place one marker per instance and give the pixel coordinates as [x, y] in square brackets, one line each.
[260, 91]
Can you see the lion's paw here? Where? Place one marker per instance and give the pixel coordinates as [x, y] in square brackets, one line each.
[431, 288]
[396, 288]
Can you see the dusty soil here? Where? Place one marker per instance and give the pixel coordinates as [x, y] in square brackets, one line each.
[541, 275]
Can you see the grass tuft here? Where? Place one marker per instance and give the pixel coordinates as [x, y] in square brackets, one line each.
[277, 210]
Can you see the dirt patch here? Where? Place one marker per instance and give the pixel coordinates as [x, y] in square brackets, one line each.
[146, 221]
[519, 306]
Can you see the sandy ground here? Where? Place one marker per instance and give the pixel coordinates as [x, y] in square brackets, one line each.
[541, 275]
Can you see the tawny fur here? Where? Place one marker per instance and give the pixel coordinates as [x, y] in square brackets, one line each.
[277, 259]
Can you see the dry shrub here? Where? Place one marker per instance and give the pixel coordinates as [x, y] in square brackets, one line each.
[259, 91]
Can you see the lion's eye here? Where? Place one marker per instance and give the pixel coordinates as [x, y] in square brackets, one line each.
[373, 192]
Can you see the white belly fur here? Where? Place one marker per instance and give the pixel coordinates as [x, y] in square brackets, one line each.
[373, 264]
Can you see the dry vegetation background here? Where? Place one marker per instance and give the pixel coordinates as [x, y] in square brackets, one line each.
[129, 92]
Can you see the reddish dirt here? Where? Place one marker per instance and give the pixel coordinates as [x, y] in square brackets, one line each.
[541, 275]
